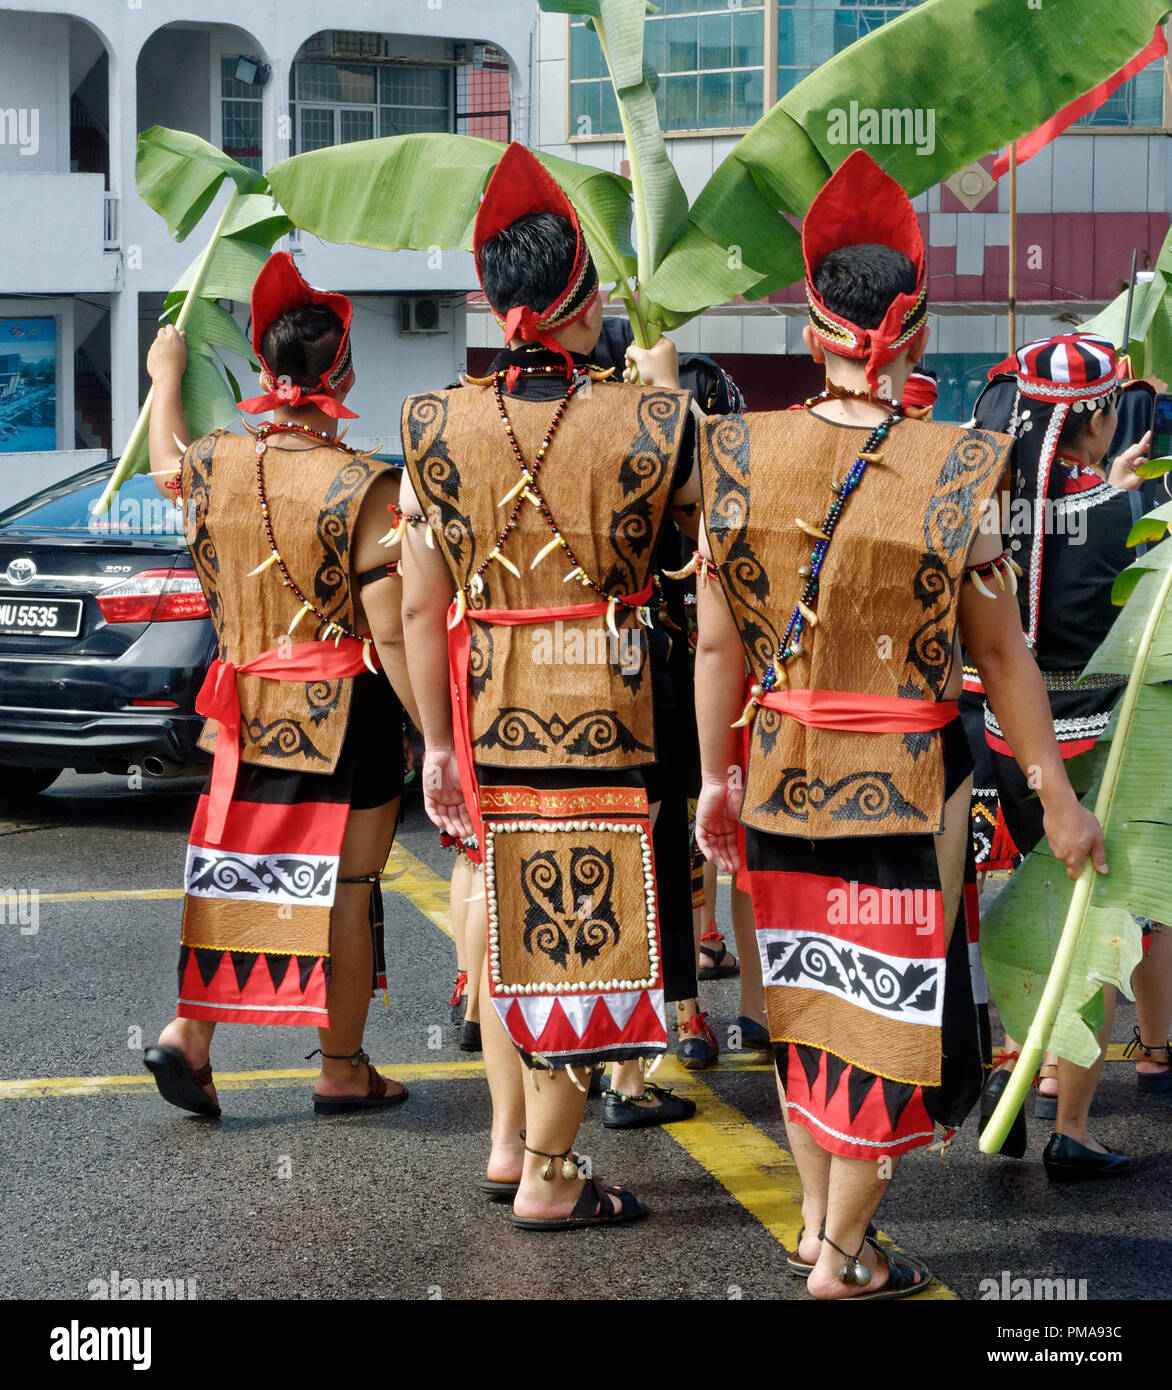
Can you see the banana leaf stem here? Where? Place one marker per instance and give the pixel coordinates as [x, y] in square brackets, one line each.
[1038, 1035]
[644, 337]
[128, 464]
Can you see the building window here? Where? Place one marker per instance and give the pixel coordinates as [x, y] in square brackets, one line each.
[242, 118]
[482, 95]
[710, 57]
[1139, 102]
[337, 103]
[811, 32]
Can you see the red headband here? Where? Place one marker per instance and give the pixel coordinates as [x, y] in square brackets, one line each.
[280, 287]
[519, 186]
[921, 392]
[860, 205]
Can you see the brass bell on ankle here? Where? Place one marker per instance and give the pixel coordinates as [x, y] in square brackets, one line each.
[862, 1273]
[846, 1274]
[547, 1170]
[569, 1169]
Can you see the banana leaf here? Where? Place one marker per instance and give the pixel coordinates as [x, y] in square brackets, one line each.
[982, 73]
[1049, 945]
[419, 192]
[179, 176]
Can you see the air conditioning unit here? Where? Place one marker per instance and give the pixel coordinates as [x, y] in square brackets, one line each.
[420, 314]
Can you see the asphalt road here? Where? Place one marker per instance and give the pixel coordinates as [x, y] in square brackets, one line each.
[272, 1202]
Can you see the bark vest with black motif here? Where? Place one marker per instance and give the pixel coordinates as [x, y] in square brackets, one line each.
[314, 496]
[552, 695]
[886, 605]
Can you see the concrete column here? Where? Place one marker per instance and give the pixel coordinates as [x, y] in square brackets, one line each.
[124, 344]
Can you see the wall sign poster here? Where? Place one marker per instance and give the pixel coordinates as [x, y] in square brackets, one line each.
[28, 385]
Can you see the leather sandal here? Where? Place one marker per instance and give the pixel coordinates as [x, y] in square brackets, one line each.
[377, 1097]
[1151, 1082]
[719, 954]
[180, 1083]
[901, 1274]
[593, 1208]
[799, 1268]
[1045, 1107]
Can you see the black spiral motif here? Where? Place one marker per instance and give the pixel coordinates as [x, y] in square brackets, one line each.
[933, 583]
[661, 416]
[766, 727]
[543, 884]
[284, 738]
[596, 732]
[728, 438]
[930, 652]
[516, 731]
[480, 656]
[323, 698]
[437, 484]
[855, 974]
[199, 459]
[230, 874]
[591, 881]
[426, 417]
[950, 519]
[860, 796]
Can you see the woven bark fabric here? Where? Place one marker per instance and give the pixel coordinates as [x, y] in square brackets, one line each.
[886, 607]
[551, 694]
[314, 497]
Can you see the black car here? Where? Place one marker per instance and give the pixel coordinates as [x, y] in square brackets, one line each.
[104, 636]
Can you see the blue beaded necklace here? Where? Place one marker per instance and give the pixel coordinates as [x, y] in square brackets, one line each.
[804, 615]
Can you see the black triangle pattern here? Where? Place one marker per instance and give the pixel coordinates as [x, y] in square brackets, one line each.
[278, 967]
[242, 963]
[858, 1086]
[208, 959]
[896, 1095]
[810, 1058]
[184, 952]
[305, 966]
[835, 1067]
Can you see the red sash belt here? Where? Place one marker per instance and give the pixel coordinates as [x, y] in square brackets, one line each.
[861, 714]
[219, 699]
[459, 651]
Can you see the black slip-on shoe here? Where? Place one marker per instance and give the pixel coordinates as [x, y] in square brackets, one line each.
[620, 1113]
[1066, 1160]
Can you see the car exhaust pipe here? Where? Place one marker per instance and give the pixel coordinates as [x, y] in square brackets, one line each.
[160, 768]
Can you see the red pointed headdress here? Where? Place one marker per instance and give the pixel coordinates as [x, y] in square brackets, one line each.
[861, 205]
[519, 186]
[280, 287]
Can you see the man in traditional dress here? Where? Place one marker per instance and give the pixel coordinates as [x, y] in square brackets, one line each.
[281, 922]
[526, 612]
[1080, 433]
[845, 536]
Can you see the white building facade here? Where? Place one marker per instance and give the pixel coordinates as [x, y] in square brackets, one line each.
[85, 264]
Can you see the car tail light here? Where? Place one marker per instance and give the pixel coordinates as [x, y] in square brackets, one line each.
[154, 596]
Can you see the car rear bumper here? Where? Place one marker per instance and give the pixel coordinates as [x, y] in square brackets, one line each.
[97, 741]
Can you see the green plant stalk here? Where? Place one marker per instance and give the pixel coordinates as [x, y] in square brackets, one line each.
[642, 232]
[1013, 1097]
[143, 423]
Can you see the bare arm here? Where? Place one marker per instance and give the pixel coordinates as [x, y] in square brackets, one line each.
[166, 363]
[720, 666]
[991, 629]
[427, 595]
[382, 600]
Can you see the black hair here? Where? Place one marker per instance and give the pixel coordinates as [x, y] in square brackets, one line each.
[528, 262]
[1076, 421]
[860, 283]
[302, 343]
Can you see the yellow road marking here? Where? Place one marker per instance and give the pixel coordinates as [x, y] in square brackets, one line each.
[421, 886]
[114, 894]
[226, 1081]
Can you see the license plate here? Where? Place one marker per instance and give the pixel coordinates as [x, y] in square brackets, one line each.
[39, 617]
